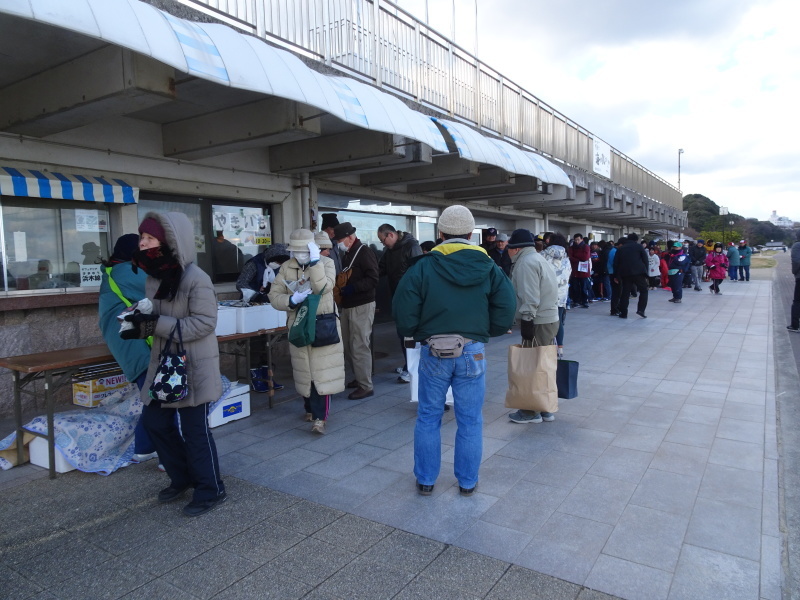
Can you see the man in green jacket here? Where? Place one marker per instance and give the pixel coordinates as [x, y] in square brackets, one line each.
[457, 291]
[733, 262]
[745, 252]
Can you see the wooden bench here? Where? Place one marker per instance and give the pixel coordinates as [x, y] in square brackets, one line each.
[56, 368]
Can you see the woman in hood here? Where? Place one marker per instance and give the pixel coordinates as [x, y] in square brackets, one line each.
[182, 294]
[556, 256]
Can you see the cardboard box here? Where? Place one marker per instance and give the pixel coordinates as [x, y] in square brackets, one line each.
[236, 406]
[226, 321]
[251, 318]
[39, 457]
[91, 392]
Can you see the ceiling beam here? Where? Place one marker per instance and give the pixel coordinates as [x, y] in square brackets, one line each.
[266, 123]
[442, 167]
[487, 178]
[352, 149]
[105, 83]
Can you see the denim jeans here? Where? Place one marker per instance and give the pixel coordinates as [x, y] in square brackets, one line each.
[697, 275]
[733, 272]
[562, 317]
[467, 375]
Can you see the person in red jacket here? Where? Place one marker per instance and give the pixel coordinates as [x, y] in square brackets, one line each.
[579, 282]
[717, 263]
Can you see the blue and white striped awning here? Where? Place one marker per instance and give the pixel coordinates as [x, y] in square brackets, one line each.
[38, 184]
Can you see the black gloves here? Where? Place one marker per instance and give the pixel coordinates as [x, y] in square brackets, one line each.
[143, 326]
[526, 327]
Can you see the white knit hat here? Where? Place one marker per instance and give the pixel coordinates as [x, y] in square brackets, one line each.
[456, 220]
[298, 241]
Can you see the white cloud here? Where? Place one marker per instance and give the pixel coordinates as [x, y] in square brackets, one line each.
[719, 78]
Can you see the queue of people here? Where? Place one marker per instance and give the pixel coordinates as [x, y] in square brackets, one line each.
[450, 296]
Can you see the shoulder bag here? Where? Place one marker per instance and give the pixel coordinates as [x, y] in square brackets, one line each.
[343, 277]
[170, 383]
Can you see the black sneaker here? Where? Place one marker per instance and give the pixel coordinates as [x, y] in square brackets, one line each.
[793, 329]
[196, 508]
[172, 493]
[641, 314]
[466, 491]
[424, 490]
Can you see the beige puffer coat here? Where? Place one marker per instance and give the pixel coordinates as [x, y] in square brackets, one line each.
[324, 366]
[195, 305]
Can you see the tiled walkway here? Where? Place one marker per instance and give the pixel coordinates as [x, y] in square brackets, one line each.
[658, 481]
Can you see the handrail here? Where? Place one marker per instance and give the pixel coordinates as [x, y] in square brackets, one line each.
[382, 43]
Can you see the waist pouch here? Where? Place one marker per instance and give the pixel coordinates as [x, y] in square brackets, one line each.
[447, 345]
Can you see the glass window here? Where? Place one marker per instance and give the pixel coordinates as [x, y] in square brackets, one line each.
[367, 224]
[53, 243]
[427, 232]
[226, 235]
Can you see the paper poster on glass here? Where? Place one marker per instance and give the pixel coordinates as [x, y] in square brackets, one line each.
[245, 227]
[91, 221]
[90, 275]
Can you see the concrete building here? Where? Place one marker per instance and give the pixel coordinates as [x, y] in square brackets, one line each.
[254, 117]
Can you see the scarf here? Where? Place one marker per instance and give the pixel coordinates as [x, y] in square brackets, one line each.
[161, 264]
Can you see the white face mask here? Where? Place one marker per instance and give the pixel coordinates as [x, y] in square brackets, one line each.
[342, 247]
[302, 258]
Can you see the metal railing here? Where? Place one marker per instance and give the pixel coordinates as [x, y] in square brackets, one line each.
[382, 43]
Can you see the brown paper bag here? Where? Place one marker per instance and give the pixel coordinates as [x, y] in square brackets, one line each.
[532, 378]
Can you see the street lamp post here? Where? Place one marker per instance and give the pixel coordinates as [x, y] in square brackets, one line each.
[723, 212]
[680, 151]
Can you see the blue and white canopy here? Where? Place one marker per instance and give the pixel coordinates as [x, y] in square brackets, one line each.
[39, 184]
[473, 145]
[224, 56]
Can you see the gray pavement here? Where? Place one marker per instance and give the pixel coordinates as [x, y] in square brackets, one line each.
[659, 481]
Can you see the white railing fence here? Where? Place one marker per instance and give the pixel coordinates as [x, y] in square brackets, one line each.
[378, 41]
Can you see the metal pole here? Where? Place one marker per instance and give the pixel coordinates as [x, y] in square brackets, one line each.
[680, 151]
[476, 28]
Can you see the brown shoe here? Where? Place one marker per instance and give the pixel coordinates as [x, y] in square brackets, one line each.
[353, 384]
[309, 417]
[360, 394]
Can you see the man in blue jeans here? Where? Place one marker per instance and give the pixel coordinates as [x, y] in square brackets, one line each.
[455, 291]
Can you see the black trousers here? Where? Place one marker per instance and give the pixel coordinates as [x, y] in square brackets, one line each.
[638, 282]
[616, 288]
[189, 456]
[796, 304]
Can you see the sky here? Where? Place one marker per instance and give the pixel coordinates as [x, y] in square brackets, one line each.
[718, 78]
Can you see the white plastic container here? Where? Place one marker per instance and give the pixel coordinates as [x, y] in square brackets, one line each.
[273, 318]
[236, 406]
[251, 318]
[226, 321]
[39, 457]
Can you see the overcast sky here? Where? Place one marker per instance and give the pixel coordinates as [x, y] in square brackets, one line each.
[718, 78]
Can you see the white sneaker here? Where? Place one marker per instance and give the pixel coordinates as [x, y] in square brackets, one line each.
[140, 458]
[318, 426]
[405, 377]
[400, 370]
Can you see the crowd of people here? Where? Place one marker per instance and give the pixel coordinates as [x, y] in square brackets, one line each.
[449, 296]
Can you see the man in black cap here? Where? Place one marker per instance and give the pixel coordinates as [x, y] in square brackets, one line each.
[536, 289]
[490, 239]
[631, 265]
[358, 308]
[329, 222]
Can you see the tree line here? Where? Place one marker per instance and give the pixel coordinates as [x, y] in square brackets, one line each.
[706, 222]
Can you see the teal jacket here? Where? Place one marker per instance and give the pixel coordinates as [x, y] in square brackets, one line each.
[744, 255]
[733, 256]
[132, 355]
[458, 289]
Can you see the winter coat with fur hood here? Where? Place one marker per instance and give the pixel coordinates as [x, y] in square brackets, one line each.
[325, 365]
[195, 305]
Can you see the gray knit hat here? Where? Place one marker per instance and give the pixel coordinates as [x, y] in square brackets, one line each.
[322, 240]
[298, 241]
[456, 220]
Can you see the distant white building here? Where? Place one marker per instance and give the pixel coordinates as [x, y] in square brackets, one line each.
[780, 221]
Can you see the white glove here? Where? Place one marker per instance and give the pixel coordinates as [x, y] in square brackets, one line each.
[314, 250]
[298, 297]
[247, 293]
